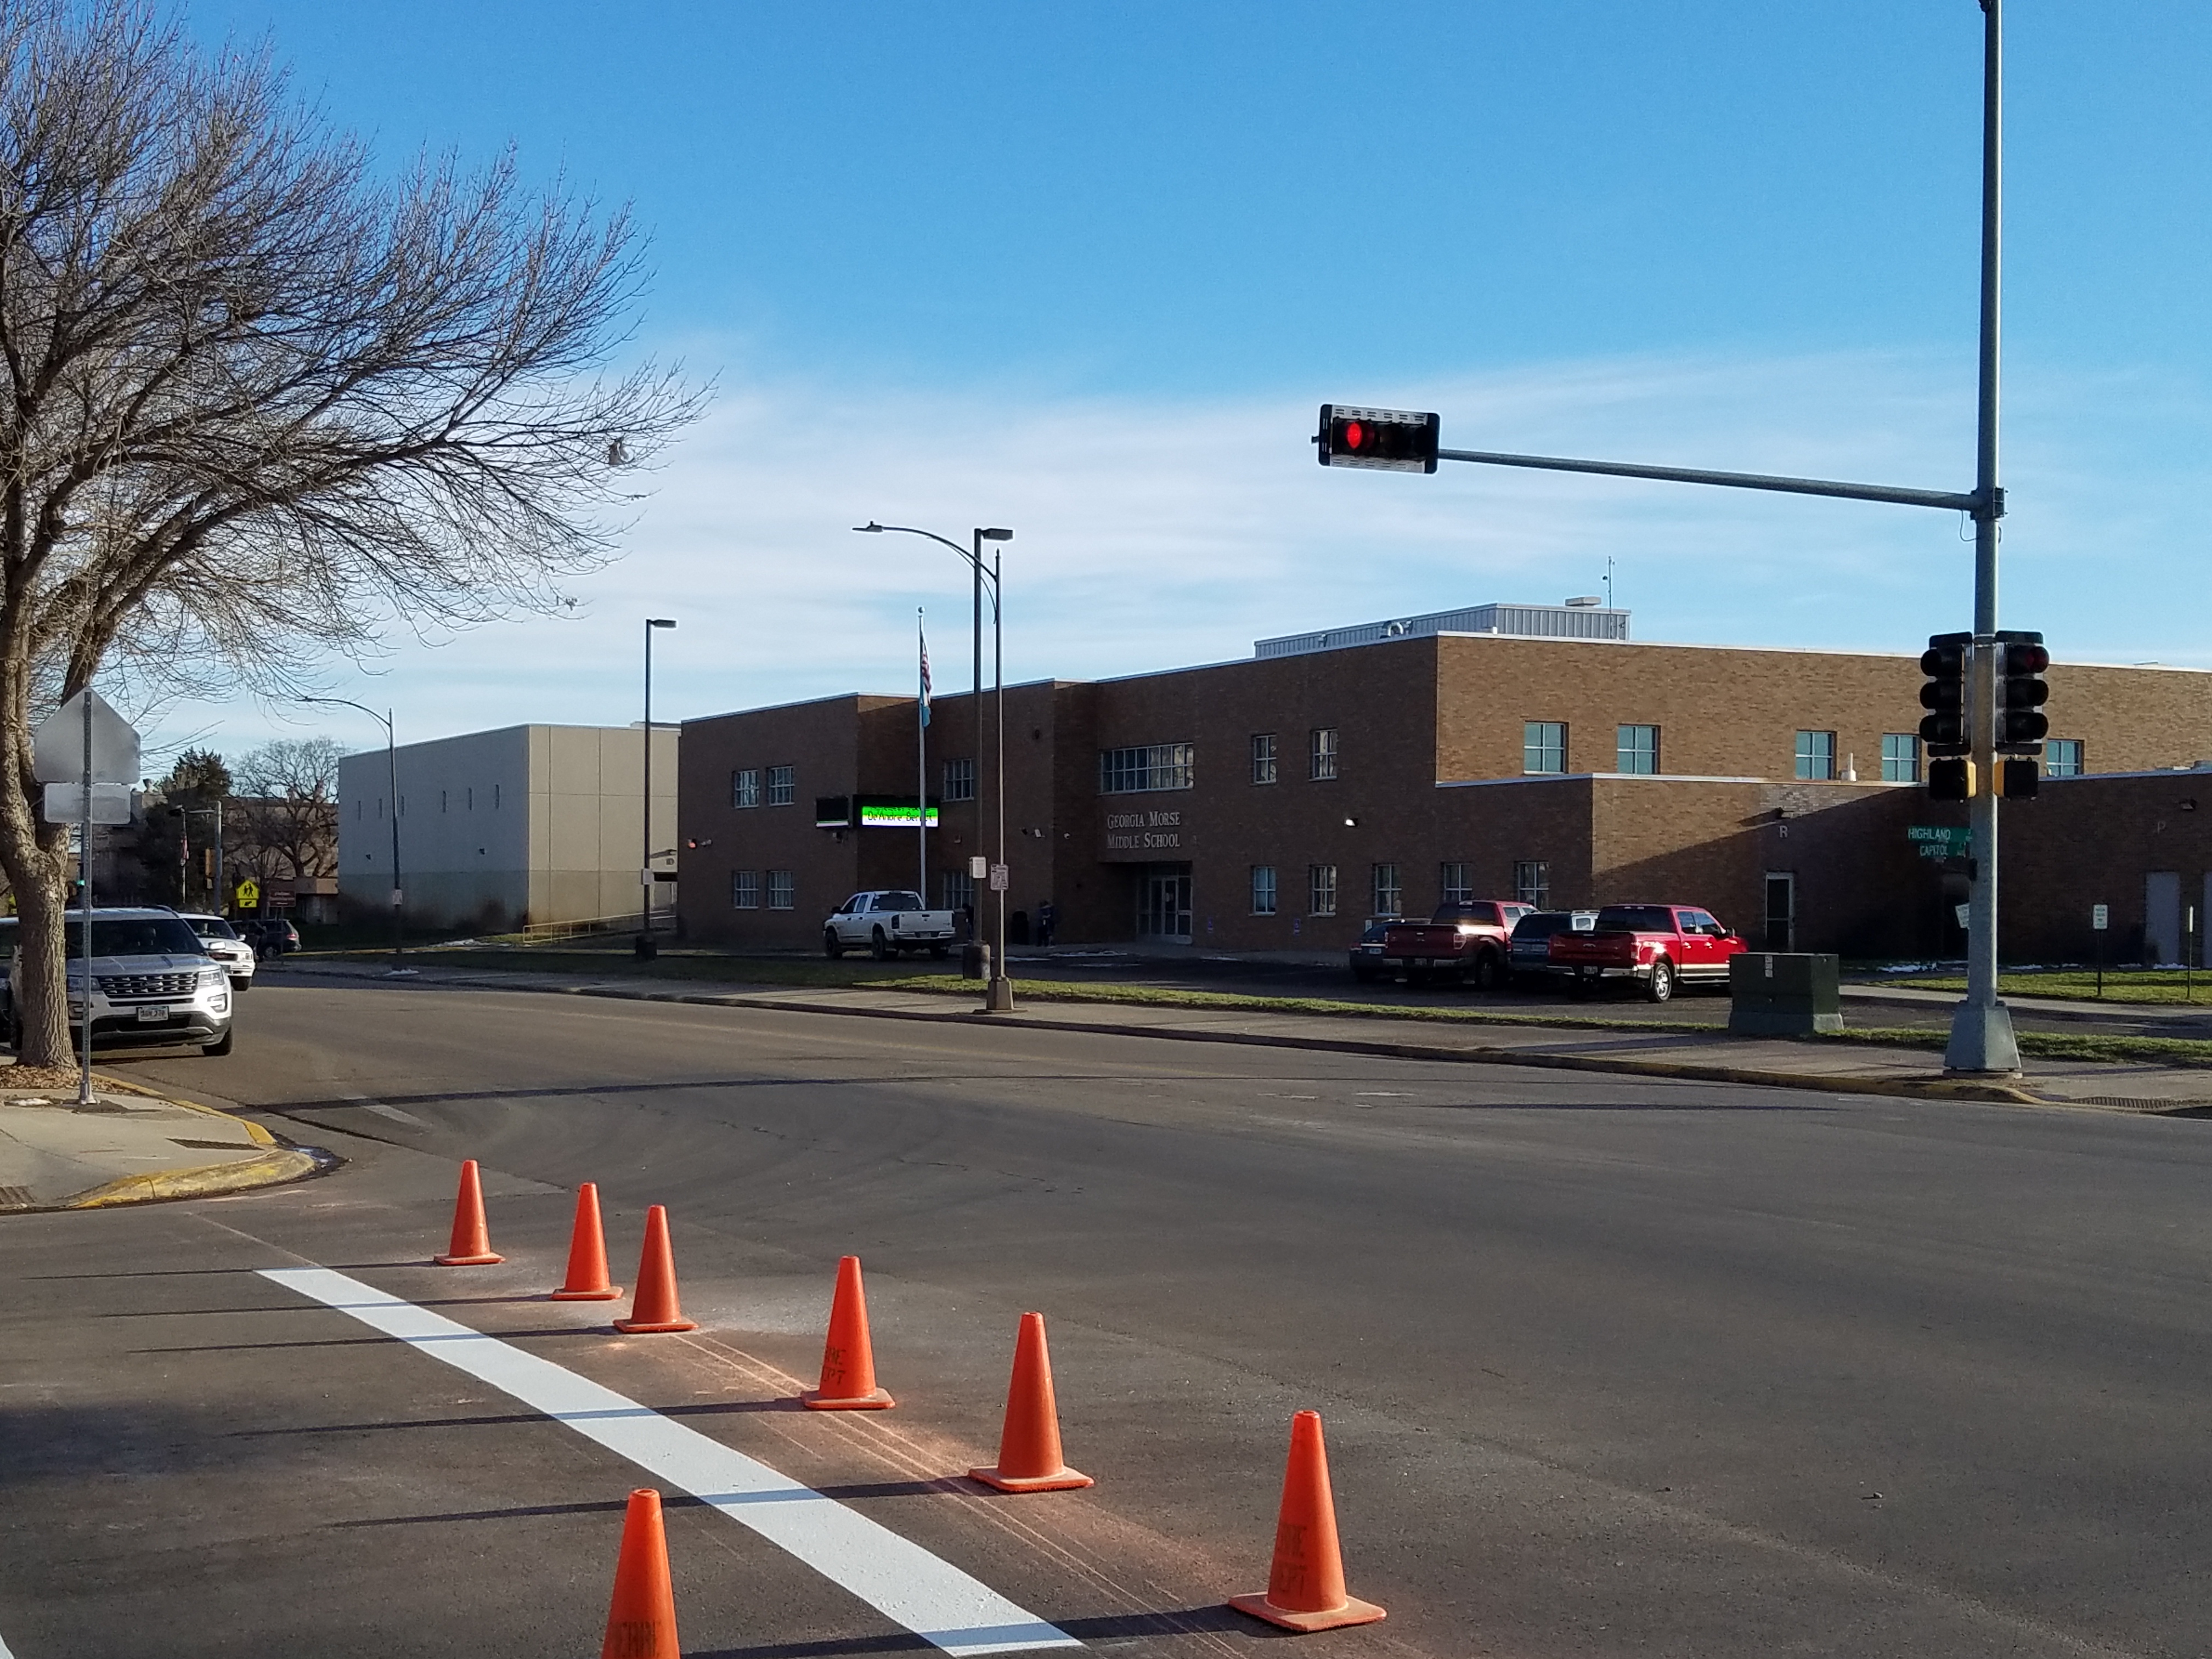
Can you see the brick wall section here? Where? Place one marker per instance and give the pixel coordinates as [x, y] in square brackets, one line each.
[2093, 841]
[1727, 713]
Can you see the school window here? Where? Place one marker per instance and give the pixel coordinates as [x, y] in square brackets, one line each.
[960, 780]
[2062, 757]
[1816, 754]
[1900, 757]
[959, 889]
[744, 787]
[1638, 751]
[1454, 886]
[1147, 767]
[781, 891]
[1321, 890]
[782, 785]
[745, 890]
[1543, 746]
[1386, 897]
[1532, 882]
[1263, 890]
[1263, 757]
[1322, 751]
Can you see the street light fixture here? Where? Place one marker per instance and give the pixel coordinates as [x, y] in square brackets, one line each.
[1001, 998]
[391, 765]
[646, 947]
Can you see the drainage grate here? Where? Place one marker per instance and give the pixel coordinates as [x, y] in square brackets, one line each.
[2137, 1102]
[15, 1198]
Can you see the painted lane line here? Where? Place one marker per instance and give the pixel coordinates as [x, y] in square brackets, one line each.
[4, 1654]
[900, 1579]
[383, 1110]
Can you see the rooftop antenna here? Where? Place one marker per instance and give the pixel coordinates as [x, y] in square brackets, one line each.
[1609, 581]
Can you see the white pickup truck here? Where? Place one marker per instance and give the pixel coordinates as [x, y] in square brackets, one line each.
[884, 923]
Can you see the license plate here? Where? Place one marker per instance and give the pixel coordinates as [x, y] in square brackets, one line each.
[153, 1016]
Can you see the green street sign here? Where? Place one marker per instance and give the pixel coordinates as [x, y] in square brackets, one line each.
[1943, 835]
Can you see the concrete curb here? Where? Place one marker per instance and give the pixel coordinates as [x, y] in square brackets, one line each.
[1933, 1088]
[270, 1169]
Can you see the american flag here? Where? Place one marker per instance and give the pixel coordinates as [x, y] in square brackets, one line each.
[925, 674]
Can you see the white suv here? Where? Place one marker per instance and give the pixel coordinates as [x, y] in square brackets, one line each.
[152, 981]
[221, 941]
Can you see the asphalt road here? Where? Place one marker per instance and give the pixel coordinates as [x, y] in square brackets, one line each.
[1609, 1366]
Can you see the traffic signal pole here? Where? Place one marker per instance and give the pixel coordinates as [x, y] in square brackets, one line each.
[1981, 1027]
[1403, 441]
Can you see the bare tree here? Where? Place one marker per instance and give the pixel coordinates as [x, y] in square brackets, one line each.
[283, 819]
[261, 400]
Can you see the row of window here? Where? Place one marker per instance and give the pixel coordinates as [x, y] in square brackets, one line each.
[1386, 895]
[1636, 752]
[746, 889]
[782, 787]
[445, 802]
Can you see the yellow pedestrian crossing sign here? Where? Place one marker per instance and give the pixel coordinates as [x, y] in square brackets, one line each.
[249, 894]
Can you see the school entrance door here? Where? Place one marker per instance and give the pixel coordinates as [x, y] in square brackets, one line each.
[1164, 904]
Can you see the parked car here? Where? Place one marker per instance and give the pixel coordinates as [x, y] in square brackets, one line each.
[152, 981]
[1367, 954]
[1658, 946]
[1461, 942]
[886, 923]
[1528, 957]
[271, 936]
[219, 940]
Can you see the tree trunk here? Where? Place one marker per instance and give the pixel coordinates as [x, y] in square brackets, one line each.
[37, 876]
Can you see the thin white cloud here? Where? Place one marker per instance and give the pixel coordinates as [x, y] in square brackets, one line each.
[1155, 534]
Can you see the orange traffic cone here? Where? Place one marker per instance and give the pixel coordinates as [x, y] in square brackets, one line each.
[848, 1359]
[587, 1254]
[655, 1307]
[1029, 1444]
[1305, 1586]
[641, 1618]
[471, 1246]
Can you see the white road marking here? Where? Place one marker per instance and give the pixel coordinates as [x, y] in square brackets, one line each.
[900, 1579]
[383, 1110]
[4, 1654]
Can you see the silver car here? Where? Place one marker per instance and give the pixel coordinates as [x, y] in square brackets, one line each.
[152, 982]
[221, 941]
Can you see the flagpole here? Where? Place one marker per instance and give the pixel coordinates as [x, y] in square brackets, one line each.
[921, 767]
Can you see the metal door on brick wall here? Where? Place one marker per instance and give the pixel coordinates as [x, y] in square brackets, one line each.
[2162, 916]
[1780, 932]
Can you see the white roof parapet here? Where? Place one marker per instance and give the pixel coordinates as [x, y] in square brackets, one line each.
[1539, 622]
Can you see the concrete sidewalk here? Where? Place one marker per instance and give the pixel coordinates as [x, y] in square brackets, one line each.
[130, 1147]
[1656, 1051]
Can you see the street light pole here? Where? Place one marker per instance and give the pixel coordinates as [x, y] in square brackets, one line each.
[391, 769]
[646, 947]
[1001, 998]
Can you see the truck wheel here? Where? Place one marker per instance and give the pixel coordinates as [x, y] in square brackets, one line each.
[832, 946]
[1485, 975]
[880, 947]
[1416, 977]
[939, 953]
[1660, 985]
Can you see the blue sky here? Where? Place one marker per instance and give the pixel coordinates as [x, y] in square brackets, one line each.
[1086, 271]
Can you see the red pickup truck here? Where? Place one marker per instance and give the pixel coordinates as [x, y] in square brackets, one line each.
[1658, 945]
[1465, 941]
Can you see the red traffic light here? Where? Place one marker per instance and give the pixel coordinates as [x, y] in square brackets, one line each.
[1390, 440]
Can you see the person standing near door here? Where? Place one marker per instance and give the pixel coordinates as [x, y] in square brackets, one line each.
[1048, 918]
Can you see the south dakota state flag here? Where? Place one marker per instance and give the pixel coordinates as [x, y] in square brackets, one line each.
[924, 638]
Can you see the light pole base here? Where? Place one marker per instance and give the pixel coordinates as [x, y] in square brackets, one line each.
[1982, 1041]
[1002, 995]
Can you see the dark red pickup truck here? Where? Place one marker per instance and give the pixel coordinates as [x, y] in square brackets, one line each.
[1658, 945]
[1461, 942]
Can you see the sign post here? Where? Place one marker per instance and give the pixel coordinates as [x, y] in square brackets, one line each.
[2101, 917]
[92, 753]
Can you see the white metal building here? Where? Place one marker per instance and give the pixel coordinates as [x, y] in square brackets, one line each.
[500, 829]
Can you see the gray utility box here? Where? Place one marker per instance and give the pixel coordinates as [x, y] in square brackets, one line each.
[1778, 993]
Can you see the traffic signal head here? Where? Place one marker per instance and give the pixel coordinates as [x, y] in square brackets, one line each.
[2022, 691]
[1391, 440]
[2017, 780]
[1943, 731]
